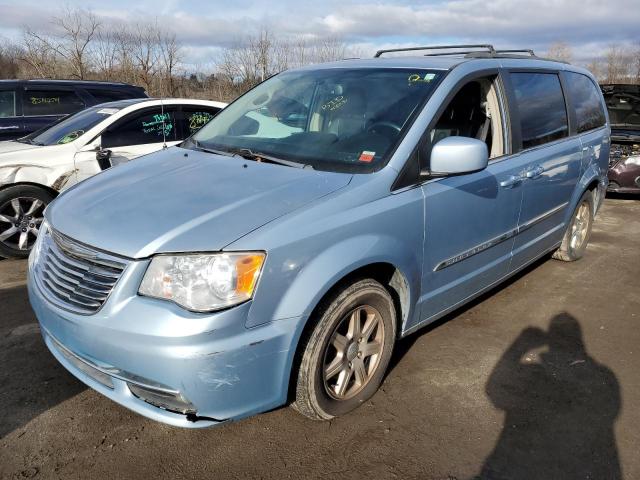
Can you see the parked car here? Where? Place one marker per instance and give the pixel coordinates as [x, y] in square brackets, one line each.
[220, 278]
[29, 105]
[35, 168]
[623, 103]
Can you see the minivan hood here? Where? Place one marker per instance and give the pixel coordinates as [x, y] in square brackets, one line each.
[623, 104]
[181, 200]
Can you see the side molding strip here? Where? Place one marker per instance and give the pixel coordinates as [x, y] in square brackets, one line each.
[499, 239]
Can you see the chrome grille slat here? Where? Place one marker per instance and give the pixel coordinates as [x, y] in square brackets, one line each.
[75, 289]
[93, 270]
[73, 277]
[76, 277]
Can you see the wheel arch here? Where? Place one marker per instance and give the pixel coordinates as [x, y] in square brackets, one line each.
[387, 274]
[46, 188]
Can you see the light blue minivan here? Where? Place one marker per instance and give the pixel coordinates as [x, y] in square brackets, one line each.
[278, 254]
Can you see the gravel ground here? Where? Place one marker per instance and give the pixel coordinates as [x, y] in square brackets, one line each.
[536, 380]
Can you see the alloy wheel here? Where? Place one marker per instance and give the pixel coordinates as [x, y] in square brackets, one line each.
[20, 220]
[580, 226]
[353, 352]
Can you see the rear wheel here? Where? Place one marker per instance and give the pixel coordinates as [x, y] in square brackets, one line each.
[347, 353]
[576, 237]
[21, 214]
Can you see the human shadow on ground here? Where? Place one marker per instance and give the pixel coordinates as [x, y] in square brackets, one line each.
[560, 407]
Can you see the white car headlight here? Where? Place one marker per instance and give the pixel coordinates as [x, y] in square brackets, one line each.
[203, 282]
[635, 160]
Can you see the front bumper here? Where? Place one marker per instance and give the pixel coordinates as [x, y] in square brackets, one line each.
[225, 370]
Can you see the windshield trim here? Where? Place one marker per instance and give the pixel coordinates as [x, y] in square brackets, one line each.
[338, 166]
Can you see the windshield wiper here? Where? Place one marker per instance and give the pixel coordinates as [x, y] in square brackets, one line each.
[197, 145]
[259, 156]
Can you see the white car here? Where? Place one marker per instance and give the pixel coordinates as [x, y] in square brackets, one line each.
[35, 168]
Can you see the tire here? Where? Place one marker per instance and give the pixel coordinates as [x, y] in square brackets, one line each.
[21, 214]
[576, 237]
[365, 303]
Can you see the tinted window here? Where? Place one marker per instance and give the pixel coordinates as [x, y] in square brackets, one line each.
[51, 102]
[70, 128]
[7, 103]
[151, 126]
[540, 103]
[102, 96]
[585, 98]
[194, 118]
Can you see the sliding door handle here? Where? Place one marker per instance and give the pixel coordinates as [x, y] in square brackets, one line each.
[535, 172]
[512, 181]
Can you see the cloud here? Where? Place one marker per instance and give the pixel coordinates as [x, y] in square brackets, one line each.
[206, 26]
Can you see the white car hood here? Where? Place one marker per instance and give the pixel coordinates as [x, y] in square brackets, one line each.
[13, 146]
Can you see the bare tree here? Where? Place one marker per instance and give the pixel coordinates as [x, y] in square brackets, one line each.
[560, 51]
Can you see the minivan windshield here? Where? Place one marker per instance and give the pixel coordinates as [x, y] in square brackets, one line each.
[70, 128]
[336, 119]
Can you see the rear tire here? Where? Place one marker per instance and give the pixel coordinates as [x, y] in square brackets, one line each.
[347, 353]
[21, 215]
[578, 232]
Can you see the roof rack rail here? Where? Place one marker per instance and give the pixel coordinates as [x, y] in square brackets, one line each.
[518, 50]
[489, 49]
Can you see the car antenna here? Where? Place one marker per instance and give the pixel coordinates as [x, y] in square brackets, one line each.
[164, 130]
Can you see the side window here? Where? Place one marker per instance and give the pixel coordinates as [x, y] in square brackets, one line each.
[7, 103]
[194, 118]
[150, 126]
[474, 112]
[586, 100]
[541, 106]
[51, 102]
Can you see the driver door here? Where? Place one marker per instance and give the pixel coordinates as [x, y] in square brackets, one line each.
[139, 133]
[470, 219]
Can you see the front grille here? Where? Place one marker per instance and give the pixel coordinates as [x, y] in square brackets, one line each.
[73, 276]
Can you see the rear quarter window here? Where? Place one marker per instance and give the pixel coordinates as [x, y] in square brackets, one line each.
[103, 96]
[51, 102]
[586, 100]
[541, 107]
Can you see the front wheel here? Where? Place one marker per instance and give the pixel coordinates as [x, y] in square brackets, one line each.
[576, 237]
[347, 353]
[21, 214]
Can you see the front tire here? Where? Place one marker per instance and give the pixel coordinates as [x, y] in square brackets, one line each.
[347, 353]
[21, 215]
[578, 232]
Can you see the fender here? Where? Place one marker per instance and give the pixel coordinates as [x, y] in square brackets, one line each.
[345, 257]
[53, 178]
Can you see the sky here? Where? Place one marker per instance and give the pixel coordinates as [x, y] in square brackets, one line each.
[206, 27]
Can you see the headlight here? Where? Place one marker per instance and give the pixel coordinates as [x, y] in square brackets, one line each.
[635, 160]
[203, 282]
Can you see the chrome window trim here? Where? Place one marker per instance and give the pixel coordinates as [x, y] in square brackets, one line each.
[499, 239]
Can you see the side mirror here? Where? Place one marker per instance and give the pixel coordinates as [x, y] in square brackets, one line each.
[458, 155]
[104, 159]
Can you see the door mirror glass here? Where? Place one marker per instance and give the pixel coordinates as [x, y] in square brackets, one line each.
[458, 155]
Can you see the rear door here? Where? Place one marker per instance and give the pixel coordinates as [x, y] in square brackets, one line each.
[41, 106]
[192, 118]
[11, 121]
[552, 159]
